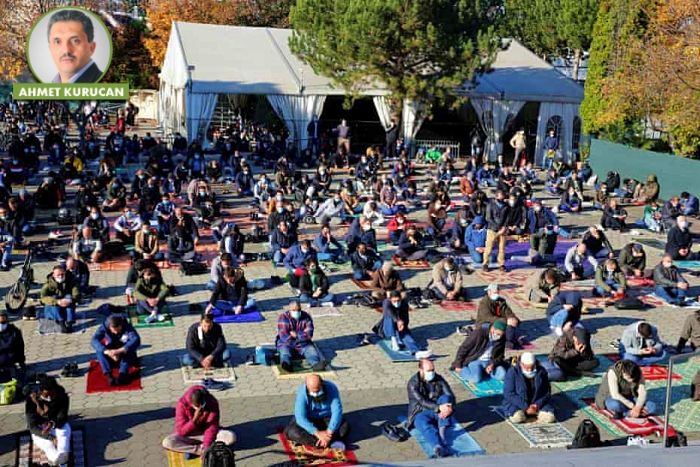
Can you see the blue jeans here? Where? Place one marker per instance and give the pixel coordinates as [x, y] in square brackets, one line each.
[7, 251]
[309, 353]
[306, 298]
[125, 361]
[226, 306]
[558, 319]
[428, 421]
[475, 371]
[639, 360]
[603, 293]
[144, 309]
[390, 330]
[60, 314]
[395, 236]
[278, 256]
[619, 408]
[392, 211]
[329, 256]
[210, 284]
[554, 373]
[672, 295]
[219, 360]
[360, 274]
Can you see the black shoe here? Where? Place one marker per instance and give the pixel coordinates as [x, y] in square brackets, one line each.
[122, 379]
[320, 366]
[69, 328]
[286, 367]
[4, 267]
[439, 452]
[64, 328]
[112, 380]
[66, 370]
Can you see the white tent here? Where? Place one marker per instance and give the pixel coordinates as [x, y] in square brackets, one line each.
[204, 60]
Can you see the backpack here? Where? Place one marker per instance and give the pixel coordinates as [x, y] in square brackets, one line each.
[218, 455]
[629, 304]
[587, 436]
[193, 268]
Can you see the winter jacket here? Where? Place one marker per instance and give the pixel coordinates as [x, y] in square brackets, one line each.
[57, 412]
[566, 298]
[474, 347]
[201, 344]
[52, 291]
[11, 347]
[146, 244]
[564, 348]
[423, 395]
[515, 390]
[474, 238]
[634, 343]
[306, 286]
[237, 292]
[208, 423]
[539, 286]
[627, 260]
[667, 277]
[280, 240]
[395, 314]
[104, 339]
[156, 288]
[322, 245]
[492, 310]
[496, 215]
[440, 275]
[677, 239]
[381, 283]
[538, 220]
[295, 258]
[303, 327]
[602, 276]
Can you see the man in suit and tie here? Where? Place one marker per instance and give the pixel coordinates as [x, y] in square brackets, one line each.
[71, 37]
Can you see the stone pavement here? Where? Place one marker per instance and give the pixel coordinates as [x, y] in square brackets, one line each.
[125, 428]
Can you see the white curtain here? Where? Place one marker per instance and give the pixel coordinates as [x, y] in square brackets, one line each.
[200, 109]
[381, 103]
[297, 112]
[411, 120]
[493, 116]
[567, 112]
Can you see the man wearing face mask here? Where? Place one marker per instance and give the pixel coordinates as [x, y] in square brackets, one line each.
[7, 240]
[318, 416]
[12, 359]
[295, 261]
[544, 228]
[365, 262]
[295, 331]
[115, 343]
[245, 181]
[146, 244]
[680, 241]
[46, 413]
[163, 212]
[571, 355]
[394, 324]
[150, 293]
[98, 223]
[138, 184]
[481, 353]
[459, 227]
[115, 199]
[127, 225]
[610, 281]
[669, 283]
[623, 392]
[496, 216]
[332, 211]
[493, 307]
[446, 281]
[59, 296]
[86, 246]
[527, 392]
[430, 406]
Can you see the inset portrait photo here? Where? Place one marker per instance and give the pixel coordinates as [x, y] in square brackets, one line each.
[69, 45]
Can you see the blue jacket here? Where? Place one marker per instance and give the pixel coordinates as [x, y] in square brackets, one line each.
[104, 339]
[295, 258]
[458, 230]
[570, 297]
[549, 216]
[324, 246]
[515, 390]
[306, 410]
[475, 238]
[279, 240]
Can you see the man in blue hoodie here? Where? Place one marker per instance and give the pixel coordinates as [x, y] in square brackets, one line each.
[475, 239]
[115, 342]
[295, 261]
[527, 392]
[318, 416]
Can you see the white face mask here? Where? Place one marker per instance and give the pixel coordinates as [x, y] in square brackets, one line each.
[60, 280]
[530, 374]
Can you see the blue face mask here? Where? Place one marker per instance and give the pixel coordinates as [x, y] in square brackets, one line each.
[530, 374]
[429, 375]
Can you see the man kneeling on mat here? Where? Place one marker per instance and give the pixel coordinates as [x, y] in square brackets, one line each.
[430, 406]
[318, 416]
[527, 392]
[482, 352]
[116, 341]
[206, 345]
[150, 292]
[197, 418]
[572, 355]
[295, 329]
[394, 324]
[47, 418]
[230, 293]
[623, 392]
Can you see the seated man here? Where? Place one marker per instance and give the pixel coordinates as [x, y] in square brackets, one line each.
[127, 225]
[544, 228]
[527, 392]
[610, 281]
[318, 416]
[575, 259]
[430, 406]
[197, 423]
[86, 247]
[282, 239]
[361, 230]
[680, 241]
[218, 266]
[150, 293]
[12, 358]
[46, 413]
[116, 341]
[689, 333]
[482, 353]
[163, 212]
[295, 261]
[115, 199]
[543, 286]
[314, 285]
[670, 211]
[564, 311]
[397, 226]
[633, 260]
[146, 244]
[689, 204]
[623, 392]
[447, 281]
[80, 275]
[59, 296]
[230, 293]
[597, 243]
[570, 201]
[601, 197]
[640, 344]
[571, 355]
[475, 239]
[669, 284]
[365, 262]
[331, 211]
[181, 245]
[206, 345]
[328, 248]
[386, 280]
[412, 245]
[295, 329]
[494, 307]
[614, 216]
[394, 324]
[459, 228]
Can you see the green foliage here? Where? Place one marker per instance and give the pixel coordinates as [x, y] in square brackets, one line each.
[419, 49]
[575, 22]
[534, 23]
[131, 61]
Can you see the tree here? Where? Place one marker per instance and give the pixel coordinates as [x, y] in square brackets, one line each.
[419, 49]
[575, 27]
[534, 24]
[131, 60]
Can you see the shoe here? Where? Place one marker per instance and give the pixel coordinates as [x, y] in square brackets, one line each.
[112, 380]
[64, 328]
[320, 366]
[150, 318]
[122, 379]
[4, 267]
[213, 385]
[614, 344]
[365, 340]
[69, 328]
[439, 452]
[328, 304]
[286, 367]
[464, 330]
[395, 345]
[485, 268]
[66, 369]
[160, 318]
[558, 331]
[338, 445]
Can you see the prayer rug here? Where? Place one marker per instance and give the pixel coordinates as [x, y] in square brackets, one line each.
[454, 305]
[457, 442]
[652, 242]
[321, 311]
[177, 459]
[249, 315]
[362, 285]
[639, 282]
[191, 375]
[651, 372]
[301, 368]
[500, 278]
[116, 264]
[317, 457]
[139, 321]
[488, 387]
[98, 382]
[46, 327]
[687, 264]
[625, 426]
[410, 263]
[539, 435]
[395, 356]
[29, 456]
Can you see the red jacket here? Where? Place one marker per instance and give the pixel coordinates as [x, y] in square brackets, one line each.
[208, 425]
[393, 226]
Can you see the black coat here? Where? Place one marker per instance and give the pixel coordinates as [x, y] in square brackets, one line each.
[305, 284]
[91, 75]
[211, 343]
[224, 291]
[58, 412]
[678, 239]
[423, 395]
[11, 347]
[475, 345]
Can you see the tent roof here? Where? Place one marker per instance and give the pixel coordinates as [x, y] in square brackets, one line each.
[251, 60]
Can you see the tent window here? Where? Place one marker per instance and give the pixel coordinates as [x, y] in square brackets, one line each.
[576, 133]
[556, 123]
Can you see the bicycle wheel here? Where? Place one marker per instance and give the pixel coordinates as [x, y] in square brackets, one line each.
[16, 297]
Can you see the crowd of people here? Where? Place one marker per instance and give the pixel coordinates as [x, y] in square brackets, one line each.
[471, 213]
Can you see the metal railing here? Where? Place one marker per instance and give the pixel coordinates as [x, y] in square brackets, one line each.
[441, 144]
[669, 382]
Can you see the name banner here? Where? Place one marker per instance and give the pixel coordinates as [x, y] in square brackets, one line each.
[70, 92]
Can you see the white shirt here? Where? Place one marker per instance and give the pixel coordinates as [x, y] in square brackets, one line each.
[74, 78]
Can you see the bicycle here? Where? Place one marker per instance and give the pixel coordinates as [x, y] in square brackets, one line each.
[16, 297]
